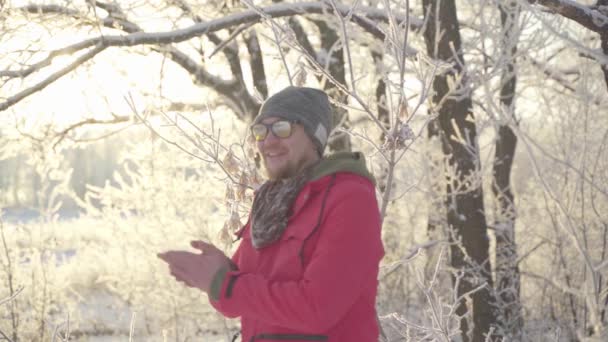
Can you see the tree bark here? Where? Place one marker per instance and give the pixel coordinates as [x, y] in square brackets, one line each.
[334, 60]
[383, 114]
[256, 62]
[465, 209]
[507, 269]
[381, 104]
[594, 18]
[577, 12]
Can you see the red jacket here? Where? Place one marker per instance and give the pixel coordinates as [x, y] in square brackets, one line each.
[319, 281]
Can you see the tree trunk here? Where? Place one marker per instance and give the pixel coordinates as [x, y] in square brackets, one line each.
[383, 115]
[507, 269]
[381, 100]
[464, 200]
[335, 65]
[256, 62]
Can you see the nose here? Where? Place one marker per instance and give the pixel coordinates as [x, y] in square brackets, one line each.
[269, 140]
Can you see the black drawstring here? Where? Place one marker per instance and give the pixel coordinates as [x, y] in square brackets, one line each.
[301, 253]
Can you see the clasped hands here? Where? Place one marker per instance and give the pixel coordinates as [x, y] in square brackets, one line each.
[196, 269]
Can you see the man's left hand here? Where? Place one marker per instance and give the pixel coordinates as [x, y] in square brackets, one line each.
[196, 269]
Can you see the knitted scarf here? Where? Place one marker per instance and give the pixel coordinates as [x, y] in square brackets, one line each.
[272, 207]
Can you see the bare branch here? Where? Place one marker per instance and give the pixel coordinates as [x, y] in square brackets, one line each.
[413, 252]
[4, 337]
[180, 35]
[50, 9]
[13, 296]
[586, 16]
[230, 52]
[558, 76]
[46, 61]
[52, 78]
[63, 133]
[228, 88]
[345, 40]
[229, 21]
[234, 34]
[115, 19]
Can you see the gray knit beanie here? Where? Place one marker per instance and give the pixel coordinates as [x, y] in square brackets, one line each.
[308, 106]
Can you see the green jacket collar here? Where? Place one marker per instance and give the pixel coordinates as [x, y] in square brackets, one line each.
[353, 162]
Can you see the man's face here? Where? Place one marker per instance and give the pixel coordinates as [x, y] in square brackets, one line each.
[285, 157]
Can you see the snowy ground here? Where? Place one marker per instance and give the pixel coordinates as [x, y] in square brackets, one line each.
[85, 267]
[100, 314]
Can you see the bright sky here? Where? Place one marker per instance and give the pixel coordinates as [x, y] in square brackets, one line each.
[93, 90]
[98, 90]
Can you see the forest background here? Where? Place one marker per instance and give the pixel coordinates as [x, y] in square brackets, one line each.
[124, 132]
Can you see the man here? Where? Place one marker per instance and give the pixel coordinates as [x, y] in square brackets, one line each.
[307, 265]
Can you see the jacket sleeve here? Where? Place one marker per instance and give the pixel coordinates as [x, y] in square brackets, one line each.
[217, 283]
[344, 263]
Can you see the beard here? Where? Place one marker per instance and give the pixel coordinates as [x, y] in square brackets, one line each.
[287, 170]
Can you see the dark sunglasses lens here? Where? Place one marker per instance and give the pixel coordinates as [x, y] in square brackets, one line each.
[259, 131]
[282, 129]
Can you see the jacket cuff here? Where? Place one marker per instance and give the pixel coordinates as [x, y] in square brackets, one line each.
[216, 283]
[215, 289]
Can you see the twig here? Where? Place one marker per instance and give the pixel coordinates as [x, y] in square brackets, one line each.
[414, 252]
[14, 294]
[4, 337]
[132, 327]
[52, 78]
[346, 40]
[63, 133]
[275, 32]
[214, 156]
[234, 34]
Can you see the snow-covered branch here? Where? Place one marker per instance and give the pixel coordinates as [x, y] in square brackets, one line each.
[49, 9]
[364, 17]
[52, 78]
[586, 16]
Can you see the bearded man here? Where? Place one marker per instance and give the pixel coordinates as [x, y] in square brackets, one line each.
[307, 264]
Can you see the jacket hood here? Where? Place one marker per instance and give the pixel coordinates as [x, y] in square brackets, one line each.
[353, 162]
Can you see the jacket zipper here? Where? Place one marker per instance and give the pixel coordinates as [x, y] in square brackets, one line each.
[289, 337]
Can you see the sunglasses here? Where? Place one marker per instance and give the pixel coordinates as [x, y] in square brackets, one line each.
[281, 129]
